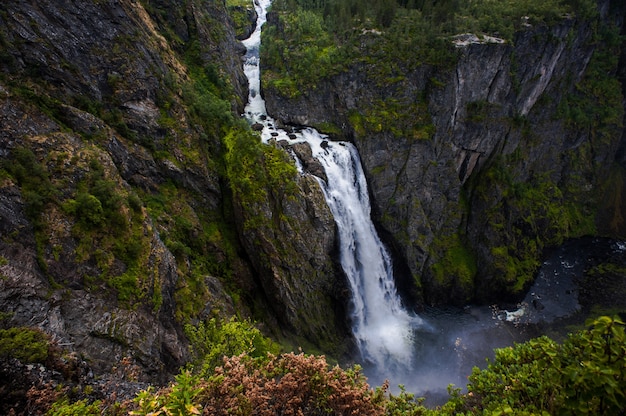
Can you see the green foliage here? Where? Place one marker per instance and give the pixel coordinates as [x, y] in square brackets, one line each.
[201, 241]
[25, 344]
[596, 105]
[98, 202]
[241, 13]
[178, 400]
[258, 175]
[245, 173]
[403, 120]
[88, 209]
[34, 181]
[528, 216]
[213, 340]
[301, 44]
[78, 408]
[584, 375]
[503, 18]
[402, 404]
[390, 37]
[212, 111]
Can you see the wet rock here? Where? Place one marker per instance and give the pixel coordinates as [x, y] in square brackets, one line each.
[309, 163]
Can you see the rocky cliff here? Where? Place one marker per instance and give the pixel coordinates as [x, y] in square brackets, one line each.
[118, 218]
[133, 199]
[476, 167]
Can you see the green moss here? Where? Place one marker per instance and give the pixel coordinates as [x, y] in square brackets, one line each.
[408, 120]
[25, 344]
[329, 128]
[527, 216]
[515, 271]
[457, 267]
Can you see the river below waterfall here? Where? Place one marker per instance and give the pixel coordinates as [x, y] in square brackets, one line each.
[425, 353]
[564, 295]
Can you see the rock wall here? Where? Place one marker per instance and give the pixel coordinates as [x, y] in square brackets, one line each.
[117, 221]
[495, 169]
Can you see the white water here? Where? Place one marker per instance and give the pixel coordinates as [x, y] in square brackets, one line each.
[383, 329]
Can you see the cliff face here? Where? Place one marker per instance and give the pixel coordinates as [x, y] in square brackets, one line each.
[117, 221]
[124, 205]
[482, 165]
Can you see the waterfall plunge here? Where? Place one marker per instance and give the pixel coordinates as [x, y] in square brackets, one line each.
[383, 329]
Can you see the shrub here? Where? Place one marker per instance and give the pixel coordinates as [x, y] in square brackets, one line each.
[212, 340]
[88, 209]
[79, 408]
[25, 344]
[584, 375]
[289, 384]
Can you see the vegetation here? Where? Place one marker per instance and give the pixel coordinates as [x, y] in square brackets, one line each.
[331, 35]
[37, 188]
[457, 266]
[532, 215]
[236, 370]
[214, 340]
[585, 374]
[258, 175]
[242, 13]
[25, 344]
[595, 106]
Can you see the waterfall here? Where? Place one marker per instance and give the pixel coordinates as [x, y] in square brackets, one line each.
[382, 328]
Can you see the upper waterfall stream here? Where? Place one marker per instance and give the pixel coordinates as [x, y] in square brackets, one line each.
[382, 328]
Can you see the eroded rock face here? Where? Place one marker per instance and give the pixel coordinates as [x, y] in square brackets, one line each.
[295, 256]
[45, 283]
[497, 112]
[97, 98]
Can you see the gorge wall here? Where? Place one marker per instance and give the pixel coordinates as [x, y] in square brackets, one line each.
[476, 168]
[118, 219]
[134, 199]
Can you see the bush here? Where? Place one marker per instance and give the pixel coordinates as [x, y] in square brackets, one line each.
[88, 209]
[288, 384]
[584, 375]
[212, 341]
[25, 344]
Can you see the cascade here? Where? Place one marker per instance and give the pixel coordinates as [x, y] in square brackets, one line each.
[382, 328]
[426, 356]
